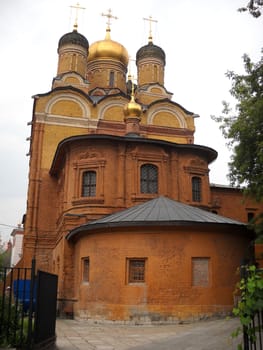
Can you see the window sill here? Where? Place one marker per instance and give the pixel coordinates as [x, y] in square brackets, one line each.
[88, 200]
[143, 197]
[85, 283]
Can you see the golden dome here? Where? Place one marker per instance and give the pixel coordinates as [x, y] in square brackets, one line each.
[108, 48]
[132, 109]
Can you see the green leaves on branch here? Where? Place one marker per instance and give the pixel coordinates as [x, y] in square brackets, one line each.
[244, 128]
[254, 7]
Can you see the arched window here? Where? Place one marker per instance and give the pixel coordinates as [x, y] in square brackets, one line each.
[111, 79]
[89, 184]
[149, 178]
[196, 189]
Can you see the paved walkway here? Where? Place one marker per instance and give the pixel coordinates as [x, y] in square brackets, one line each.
[202, 335]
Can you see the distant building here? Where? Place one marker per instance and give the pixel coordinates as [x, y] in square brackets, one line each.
[119, 200]
[17, 245]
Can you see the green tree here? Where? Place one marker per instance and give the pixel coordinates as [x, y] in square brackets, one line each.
[243, 128]
[254, 7]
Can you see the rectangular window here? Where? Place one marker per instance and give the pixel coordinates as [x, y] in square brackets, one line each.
[89, 184]
[85, 269]
[196, 189]
[136, 270]
[111, 79]
[250, 216]
[149, 178]
[200, 272]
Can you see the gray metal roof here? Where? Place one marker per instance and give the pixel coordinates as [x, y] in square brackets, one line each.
[158, 211]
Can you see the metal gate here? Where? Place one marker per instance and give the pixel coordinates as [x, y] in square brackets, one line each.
[27, 307]
[253, 332]
[46, 304]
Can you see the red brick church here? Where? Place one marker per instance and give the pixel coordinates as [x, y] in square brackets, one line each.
[120, 205]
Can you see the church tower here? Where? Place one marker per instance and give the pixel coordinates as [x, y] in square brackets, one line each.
[150, 61]
[107, 62]
[73, 52]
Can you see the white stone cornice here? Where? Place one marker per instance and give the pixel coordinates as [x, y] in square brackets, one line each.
[54, 119]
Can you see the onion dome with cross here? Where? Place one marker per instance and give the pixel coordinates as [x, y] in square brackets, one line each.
[108, 48]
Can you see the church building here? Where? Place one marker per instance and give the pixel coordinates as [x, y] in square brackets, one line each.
[120, 205]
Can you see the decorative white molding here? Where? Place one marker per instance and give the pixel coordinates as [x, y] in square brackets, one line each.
[54, 119]
[103, 107]
[177, 114]
[68, 97]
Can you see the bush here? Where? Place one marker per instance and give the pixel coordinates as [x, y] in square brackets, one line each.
[14, 327]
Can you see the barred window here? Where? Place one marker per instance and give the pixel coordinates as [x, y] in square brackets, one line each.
[85, 269]
[89, 184]
[149, 178]
[136, 270]
[196, 189]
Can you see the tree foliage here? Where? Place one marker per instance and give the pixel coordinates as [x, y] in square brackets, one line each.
[250, 289]
[244, 128]
[254, 7]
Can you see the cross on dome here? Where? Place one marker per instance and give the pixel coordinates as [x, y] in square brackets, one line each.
[110, 17]
[130, 76]
[77, 7]
[150, 20]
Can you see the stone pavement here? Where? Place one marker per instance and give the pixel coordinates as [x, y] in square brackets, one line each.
[202, 335]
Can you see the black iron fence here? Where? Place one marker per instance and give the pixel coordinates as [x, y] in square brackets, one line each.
[27, 307]
[253, 332]
[17, 303]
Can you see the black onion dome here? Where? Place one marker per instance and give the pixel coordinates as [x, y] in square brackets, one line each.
[150, 50]
[74, 38]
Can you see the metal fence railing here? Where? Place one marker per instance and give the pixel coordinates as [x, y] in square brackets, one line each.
[17, 306]
[253, 332]
[27, 308]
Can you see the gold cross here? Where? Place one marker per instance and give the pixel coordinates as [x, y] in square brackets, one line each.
[77, 7]
[151, 20]
[110, 16]
[130, 76]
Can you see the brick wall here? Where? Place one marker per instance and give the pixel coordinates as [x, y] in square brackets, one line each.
[168, 292]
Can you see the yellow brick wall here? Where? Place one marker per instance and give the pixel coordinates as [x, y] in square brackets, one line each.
[67, 108]
[53, 134]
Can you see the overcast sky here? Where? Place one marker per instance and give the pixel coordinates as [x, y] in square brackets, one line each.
[202, 39]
